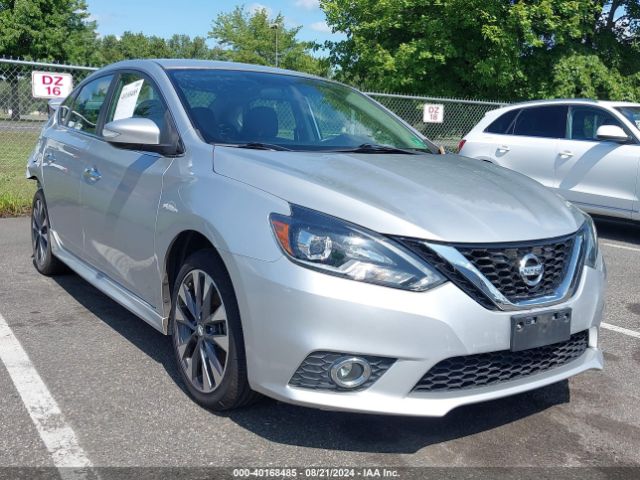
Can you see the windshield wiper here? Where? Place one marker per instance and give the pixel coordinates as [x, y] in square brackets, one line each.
[259, 146]
[375, 148]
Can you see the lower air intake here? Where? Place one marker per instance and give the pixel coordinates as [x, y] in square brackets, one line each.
[484, 369]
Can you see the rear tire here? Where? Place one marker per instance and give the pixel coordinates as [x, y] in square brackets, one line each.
[207, 336]
[43, 259]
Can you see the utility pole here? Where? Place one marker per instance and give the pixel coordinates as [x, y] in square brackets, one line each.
[276, 27]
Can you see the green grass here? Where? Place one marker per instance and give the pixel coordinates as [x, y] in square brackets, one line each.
[16, 192]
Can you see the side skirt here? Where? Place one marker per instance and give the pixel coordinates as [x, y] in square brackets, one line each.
[109, 287]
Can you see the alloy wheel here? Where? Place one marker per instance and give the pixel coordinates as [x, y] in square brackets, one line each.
[201, 331]
[39, 232]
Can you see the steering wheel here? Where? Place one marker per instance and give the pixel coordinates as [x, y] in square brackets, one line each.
[227, 132]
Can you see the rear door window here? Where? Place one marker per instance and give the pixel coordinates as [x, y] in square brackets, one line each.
[83, 112]
[545, 122]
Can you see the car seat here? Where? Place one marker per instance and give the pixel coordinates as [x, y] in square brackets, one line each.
[260, 124]
[206, 121]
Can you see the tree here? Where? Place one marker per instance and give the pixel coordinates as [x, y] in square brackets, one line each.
[137, 45]
[251, 38]
[54, 30]
[183, 46]
[489, 48]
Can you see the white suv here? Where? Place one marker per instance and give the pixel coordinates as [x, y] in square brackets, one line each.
[588, 151]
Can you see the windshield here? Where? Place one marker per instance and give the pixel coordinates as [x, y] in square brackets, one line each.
[632, 114]
[287, 111]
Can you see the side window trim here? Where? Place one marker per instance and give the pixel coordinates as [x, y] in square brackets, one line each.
[105, 105]
[71, 98]
[112, 97]
[509, 130]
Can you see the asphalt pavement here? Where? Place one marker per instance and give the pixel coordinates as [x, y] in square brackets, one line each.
[115, 383]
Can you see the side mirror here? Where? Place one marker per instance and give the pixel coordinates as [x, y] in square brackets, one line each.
[53, 105]
[612, 133]
[132, 132]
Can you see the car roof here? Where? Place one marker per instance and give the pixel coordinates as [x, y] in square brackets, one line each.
[562, 101]
[610, 103]
[177, 64]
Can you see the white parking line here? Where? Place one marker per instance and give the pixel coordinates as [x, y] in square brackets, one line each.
[622, 247]
[625, 331]
[57, 435]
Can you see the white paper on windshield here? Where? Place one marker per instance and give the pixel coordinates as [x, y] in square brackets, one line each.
[128, 100]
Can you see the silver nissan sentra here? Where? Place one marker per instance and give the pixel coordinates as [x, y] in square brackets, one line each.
[298, 240]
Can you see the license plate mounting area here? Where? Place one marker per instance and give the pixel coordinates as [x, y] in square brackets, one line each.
[539, 329]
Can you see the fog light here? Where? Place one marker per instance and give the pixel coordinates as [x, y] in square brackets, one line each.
[350, 372]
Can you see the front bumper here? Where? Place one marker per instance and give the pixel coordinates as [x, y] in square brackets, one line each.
[289, 312]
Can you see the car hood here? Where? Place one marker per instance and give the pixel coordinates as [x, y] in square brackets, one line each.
[436, 197]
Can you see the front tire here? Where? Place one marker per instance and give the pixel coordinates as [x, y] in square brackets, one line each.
[207, 336]
[43, 259]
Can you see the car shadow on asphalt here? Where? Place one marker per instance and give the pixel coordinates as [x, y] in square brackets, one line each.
[140, 334]
[306, 427]
[618, 230]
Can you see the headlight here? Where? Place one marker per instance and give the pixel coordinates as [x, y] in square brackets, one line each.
[590, 241]
[589, 234]
[336, 247]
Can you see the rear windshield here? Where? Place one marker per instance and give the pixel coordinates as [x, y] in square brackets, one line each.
[632, 114]
[298, 113]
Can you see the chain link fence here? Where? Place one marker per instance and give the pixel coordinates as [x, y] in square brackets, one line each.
[449, 119]
[22, 117]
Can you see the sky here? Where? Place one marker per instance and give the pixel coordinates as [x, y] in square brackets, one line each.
[194, 17]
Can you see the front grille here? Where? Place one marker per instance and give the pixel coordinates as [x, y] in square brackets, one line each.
[449, 271]
[314, 371]
[484, 369]
[500, 265]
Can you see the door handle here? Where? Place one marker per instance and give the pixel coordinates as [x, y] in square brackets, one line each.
[91, 175]
[503, 148]
[49, 158]
[566, 154]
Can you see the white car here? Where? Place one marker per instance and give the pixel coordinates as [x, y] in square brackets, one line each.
[587, 151]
